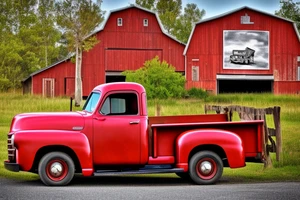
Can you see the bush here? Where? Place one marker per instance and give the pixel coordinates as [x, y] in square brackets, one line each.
[197, 93]
[160, 79]
[5, 85]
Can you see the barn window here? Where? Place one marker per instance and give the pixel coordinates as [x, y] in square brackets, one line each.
[120, 22]
[195, 73]
[145, 22]
[246, 19]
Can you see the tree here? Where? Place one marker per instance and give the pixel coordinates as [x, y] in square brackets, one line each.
[149, 4]
[10, 62]
[173, 20]
[17, 57]
[185, 23]
[79, 18]
[290, 10]
[49, 34]
[159, 79]
[169, 11]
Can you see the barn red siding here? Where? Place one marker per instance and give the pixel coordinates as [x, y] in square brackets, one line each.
[114, 56]
[120, 48]
[128, 46]
[287, 87]
[59, 74]
[206, 45]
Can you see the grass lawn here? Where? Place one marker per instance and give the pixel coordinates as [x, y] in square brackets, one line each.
[287, 169]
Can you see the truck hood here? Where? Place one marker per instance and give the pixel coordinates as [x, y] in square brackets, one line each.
[48, 121]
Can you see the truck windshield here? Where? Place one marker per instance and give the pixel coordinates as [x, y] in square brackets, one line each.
[91, 102]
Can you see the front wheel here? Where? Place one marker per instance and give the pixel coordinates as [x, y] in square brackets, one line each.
[205, 168]
[56, 169]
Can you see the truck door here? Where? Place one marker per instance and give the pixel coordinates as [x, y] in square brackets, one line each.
[117, 130]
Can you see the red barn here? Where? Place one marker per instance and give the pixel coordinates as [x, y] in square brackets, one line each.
[245, 50]
[128, 38]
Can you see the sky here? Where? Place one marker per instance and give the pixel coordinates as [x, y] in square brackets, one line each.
[212, 7]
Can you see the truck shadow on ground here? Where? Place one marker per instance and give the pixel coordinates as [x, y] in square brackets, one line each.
[134, 181]
[127, 180]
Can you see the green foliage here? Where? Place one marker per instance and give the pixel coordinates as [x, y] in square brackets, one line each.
[168, 10]
[174, 21]
[149, 4]
[78, 18]
[197, 93]
[28, 38]
[49, 35]
[159, 78]
[184, 24]
[5, 84]
[29, 34]
[290, 10]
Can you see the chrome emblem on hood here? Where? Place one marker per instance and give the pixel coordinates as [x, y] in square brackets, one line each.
[77, 128]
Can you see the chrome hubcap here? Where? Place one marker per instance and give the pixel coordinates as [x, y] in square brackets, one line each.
[56, 169]
[205, 167]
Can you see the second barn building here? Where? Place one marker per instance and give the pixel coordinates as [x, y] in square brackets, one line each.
[244, 50]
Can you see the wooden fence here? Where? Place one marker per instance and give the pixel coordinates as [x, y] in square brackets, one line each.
[249, 113]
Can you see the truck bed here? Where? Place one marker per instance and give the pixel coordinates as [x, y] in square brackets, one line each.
[165, 130]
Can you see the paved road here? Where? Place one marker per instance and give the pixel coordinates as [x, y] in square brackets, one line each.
[144, 188]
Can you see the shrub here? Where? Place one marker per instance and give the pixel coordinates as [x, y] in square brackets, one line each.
[5, 85]
[160, 79]
[197, 93]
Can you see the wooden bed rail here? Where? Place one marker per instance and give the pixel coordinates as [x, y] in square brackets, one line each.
[250, 113]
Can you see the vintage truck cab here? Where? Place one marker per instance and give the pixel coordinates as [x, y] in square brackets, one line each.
[114, 135]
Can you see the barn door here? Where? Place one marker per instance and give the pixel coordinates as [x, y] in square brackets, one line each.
[48, 87]
[70, 86]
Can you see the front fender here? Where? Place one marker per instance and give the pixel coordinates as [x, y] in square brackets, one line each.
[29, 142]
[228, 141]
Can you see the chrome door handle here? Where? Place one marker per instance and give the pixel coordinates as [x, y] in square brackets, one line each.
[134, 122]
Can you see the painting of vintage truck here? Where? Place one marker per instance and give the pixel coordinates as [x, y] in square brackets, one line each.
[246, 50]
[242, 56]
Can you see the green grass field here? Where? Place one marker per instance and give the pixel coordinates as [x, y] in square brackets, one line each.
[287, 169]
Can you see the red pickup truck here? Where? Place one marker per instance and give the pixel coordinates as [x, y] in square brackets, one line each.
[114, 135]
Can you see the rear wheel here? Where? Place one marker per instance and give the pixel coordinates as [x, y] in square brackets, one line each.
[205, 167]
[56, 168]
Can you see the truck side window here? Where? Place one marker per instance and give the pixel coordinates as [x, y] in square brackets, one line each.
[120, 104]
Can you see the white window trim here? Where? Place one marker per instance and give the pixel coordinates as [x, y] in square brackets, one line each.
[298, 58]
[120, 22]
[146, 22]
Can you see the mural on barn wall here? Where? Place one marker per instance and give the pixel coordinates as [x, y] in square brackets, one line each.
[246, 50]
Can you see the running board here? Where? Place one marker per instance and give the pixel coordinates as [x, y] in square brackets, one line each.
[139, 171]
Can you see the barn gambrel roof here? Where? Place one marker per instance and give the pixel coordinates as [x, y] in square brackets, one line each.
[231, 12]
[141, 8]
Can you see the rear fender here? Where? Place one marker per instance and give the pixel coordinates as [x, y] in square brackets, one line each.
[28, 143]
[228, 141]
